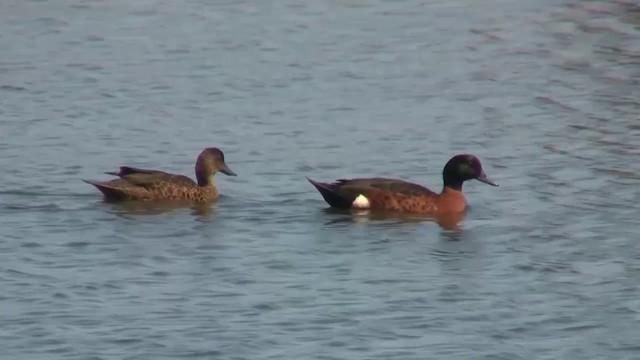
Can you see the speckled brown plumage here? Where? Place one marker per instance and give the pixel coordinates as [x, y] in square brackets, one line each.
[402, 196]
[144, 184]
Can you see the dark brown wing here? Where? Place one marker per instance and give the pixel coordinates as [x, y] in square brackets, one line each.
[128, 170]
[153, 179]
[394, 186]
[131, 176]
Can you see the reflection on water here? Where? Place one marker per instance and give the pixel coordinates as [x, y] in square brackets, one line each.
[125, 208]
[449, 221]
[545, 92]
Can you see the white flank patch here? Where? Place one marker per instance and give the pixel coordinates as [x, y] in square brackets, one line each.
[361, 202]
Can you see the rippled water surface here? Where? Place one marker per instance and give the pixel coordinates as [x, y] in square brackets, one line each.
[546, 266]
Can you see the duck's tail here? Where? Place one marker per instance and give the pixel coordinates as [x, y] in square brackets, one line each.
[331, 194]
[109, 192]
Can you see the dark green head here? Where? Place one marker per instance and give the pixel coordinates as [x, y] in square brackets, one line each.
[461, 168]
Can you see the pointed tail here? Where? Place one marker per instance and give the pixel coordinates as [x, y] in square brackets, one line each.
[331, 195]
[109, 192]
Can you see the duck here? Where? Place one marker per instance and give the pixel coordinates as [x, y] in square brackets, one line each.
[149, 185]
[403, 196]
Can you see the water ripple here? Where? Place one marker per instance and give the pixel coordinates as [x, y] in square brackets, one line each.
[544, 266]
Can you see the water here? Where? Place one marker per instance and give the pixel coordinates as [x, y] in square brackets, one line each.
[543, 267]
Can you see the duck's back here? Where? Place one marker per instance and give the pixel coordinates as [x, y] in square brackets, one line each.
[393, 186]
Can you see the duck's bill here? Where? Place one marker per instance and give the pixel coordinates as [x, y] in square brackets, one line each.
[483, 177]
[225, 170]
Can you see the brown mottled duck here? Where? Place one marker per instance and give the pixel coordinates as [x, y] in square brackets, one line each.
[144, 184]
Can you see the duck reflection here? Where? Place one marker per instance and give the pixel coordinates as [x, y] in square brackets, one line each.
[448, 221]
[124, 208]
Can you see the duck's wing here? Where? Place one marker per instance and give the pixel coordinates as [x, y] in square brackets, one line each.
[394, 186]
[129, 170]
[153, 180]
[343, 192]
[145, 184]
[132, 176]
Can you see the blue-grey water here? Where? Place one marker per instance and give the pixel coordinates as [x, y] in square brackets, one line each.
[546, 93]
